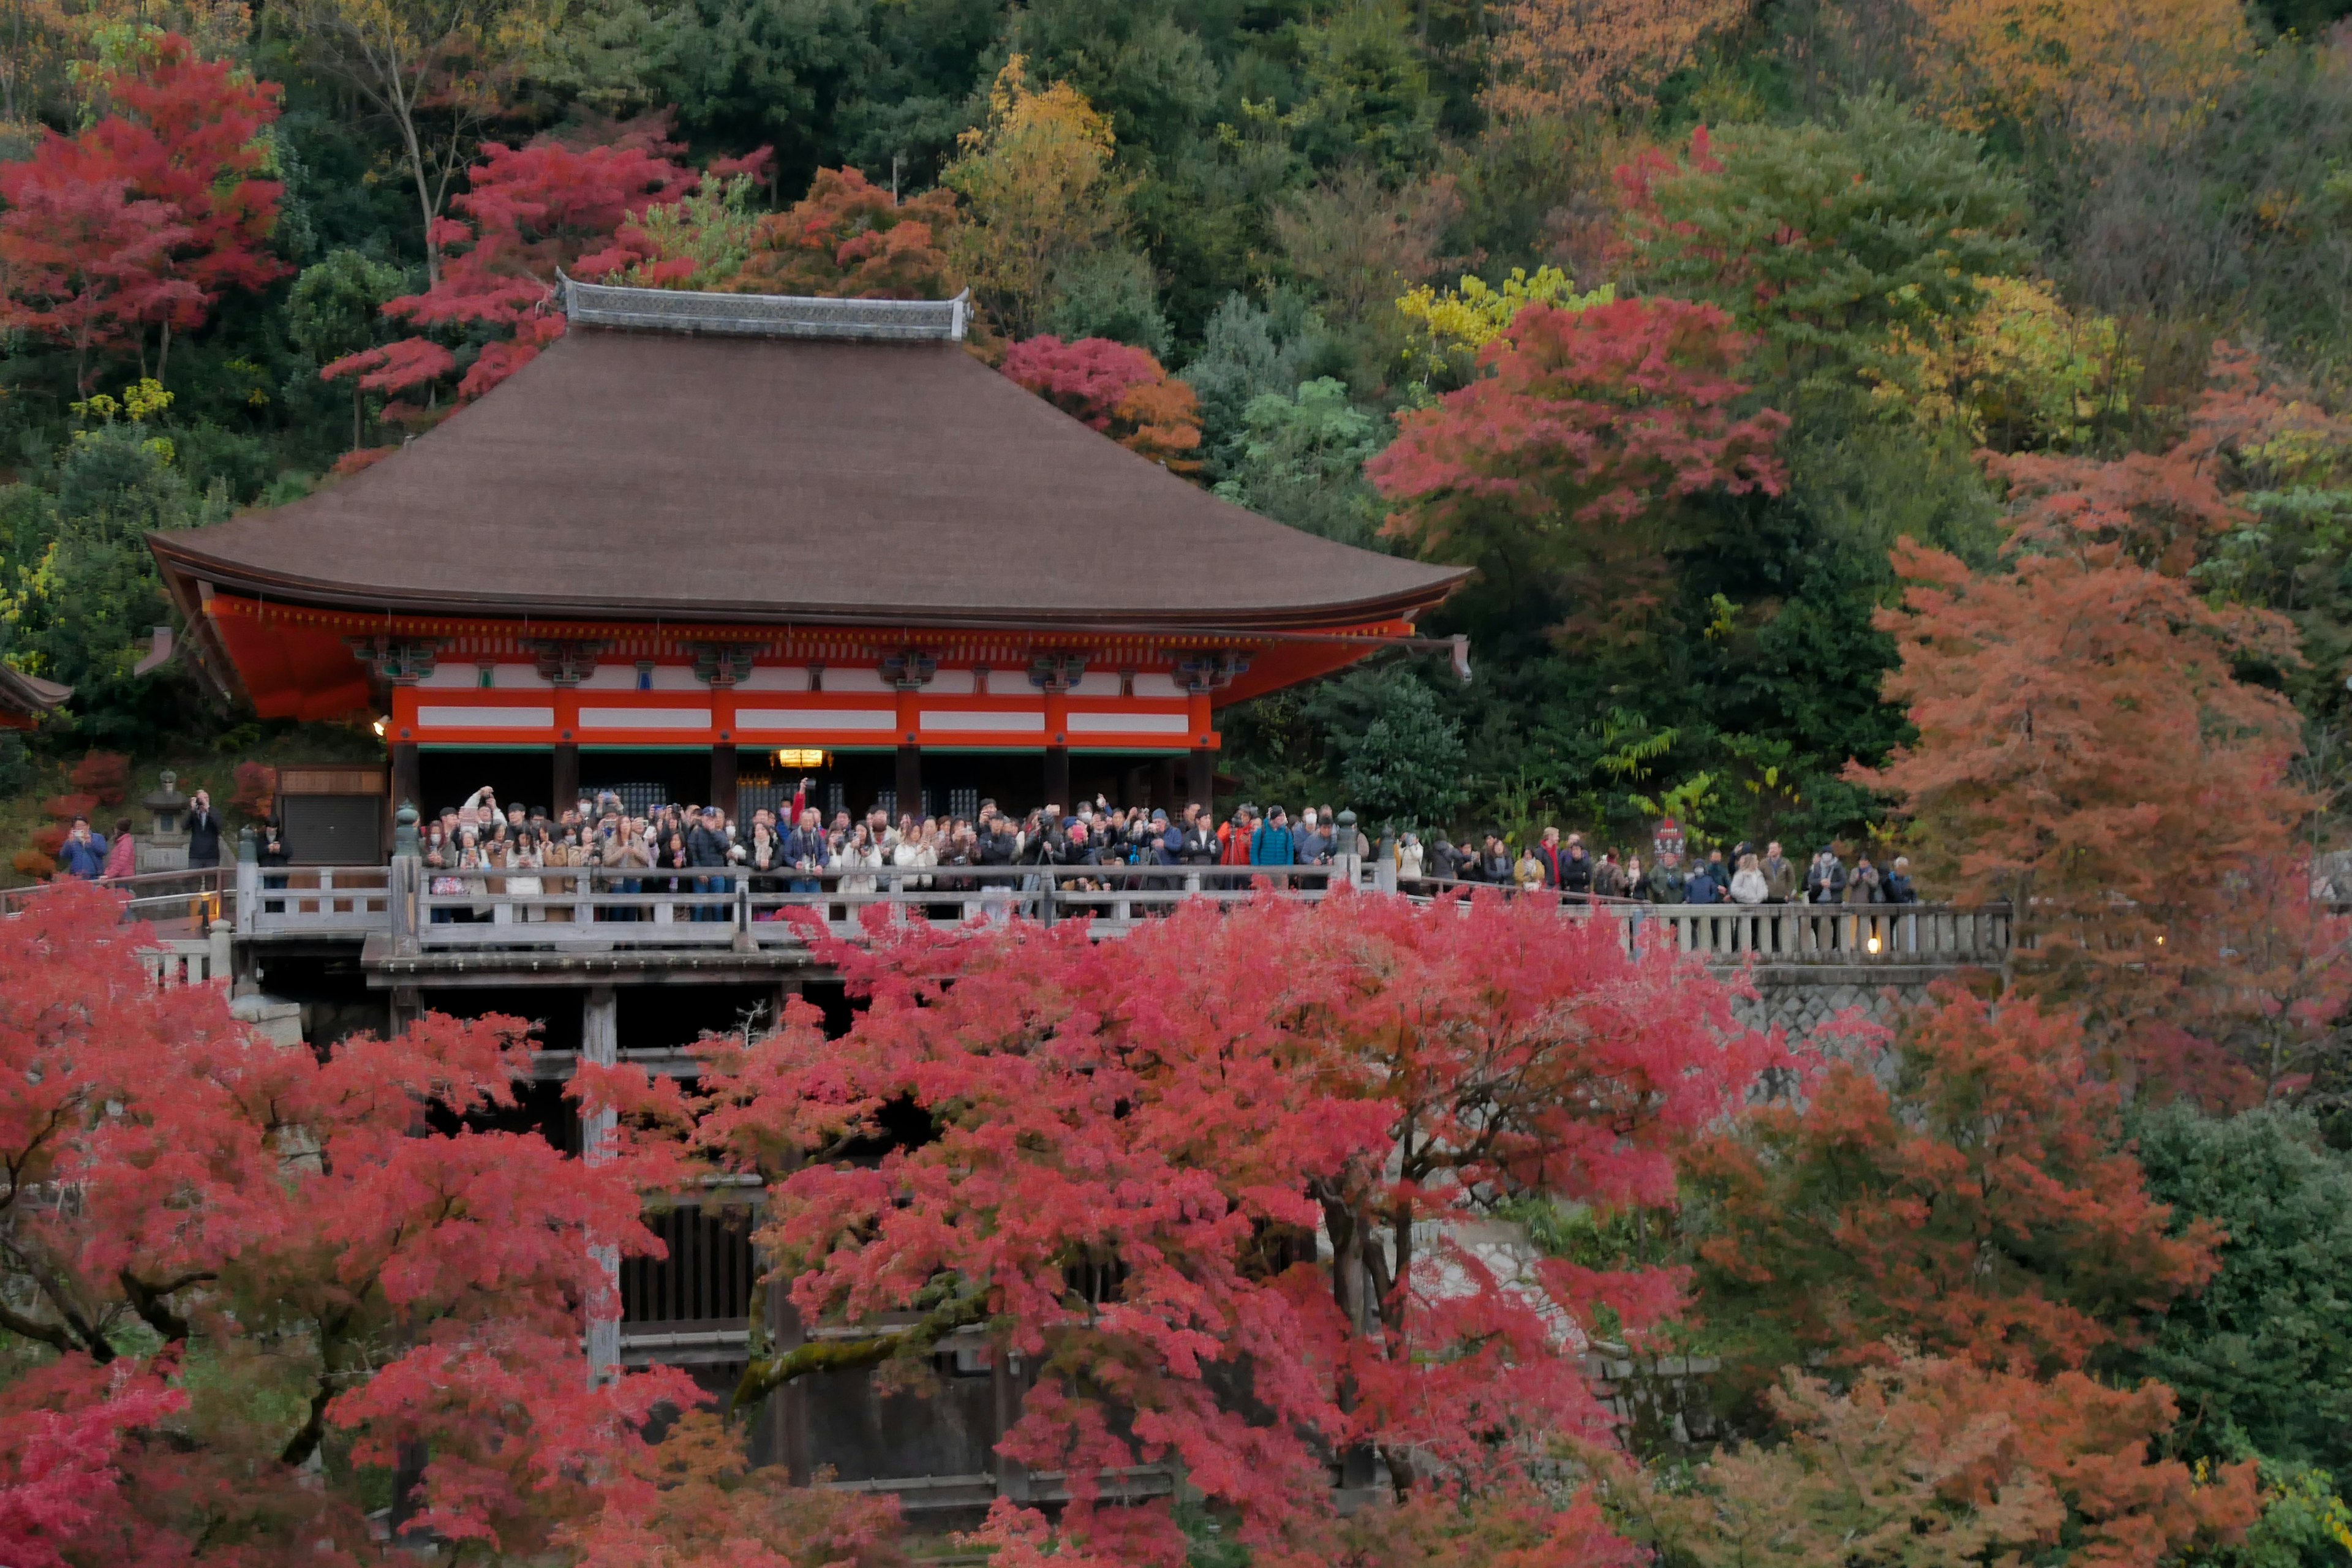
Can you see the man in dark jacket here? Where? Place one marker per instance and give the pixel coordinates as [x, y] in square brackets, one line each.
[1896, 883]
[1576, 868]
[706, 848]
[1199, 839]
[997, 846]
[1165, 841]
[204, 831]
[1825, 879]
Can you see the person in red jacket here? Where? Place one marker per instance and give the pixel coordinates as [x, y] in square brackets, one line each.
[1233, 838]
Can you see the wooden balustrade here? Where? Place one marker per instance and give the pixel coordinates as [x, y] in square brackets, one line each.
[597, 908]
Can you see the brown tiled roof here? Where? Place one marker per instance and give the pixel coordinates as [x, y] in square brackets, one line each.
[25, 695]
[666, 475]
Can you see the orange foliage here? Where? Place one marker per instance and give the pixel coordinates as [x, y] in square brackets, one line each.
[693, 1502]
[2085, 753]
[2097, 69]
[1939, 1463]
[256, 789]
[1978, 1208]
[2163, 508]
[1116, 388]
[1577, 56]
[65, 808]
[103, 776]
[849, 239]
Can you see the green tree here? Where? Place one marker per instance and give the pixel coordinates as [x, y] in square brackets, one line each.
[1302, 461]
[335, 309]
[1365, 95]
[86, 595]
[1109, 293]
[1248, 350]
[2259, 1357]
[1407, 764]
[1822, 237]
[745, 72]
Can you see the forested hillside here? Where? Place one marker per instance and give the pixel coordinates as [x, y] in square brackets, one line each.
[1672, 317]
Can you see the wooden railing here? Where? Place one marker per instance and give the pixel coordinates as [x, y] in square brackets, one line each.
[729, 909]
[597, 908]
[189, 960]
[186, 900]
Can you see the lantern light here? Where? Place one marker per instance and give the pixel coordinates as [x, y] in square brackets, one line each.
[801, 757]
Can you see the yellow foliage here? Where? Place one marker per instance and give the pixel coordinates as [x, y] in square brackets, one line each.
[1555, 57]
[2099, 69]
[2019, 371]
[1038, 188]
[1450, 328]
[53, 52]
[1474, 315]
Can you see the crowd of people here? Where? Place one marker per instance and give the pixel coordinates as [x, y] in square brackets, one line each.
[482, 846]
[796, 849]
[685, 848]
[1737, 876]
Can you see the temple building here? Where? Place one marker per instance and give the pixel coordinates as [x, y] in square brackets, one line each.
[25, 698]
[705, 544]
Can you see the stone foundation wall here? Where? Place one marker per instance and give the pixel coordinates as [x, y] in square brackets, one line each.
[1802, 997]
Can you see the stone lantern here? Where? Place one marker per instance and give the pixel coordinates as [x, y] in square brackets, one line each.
[166, 847]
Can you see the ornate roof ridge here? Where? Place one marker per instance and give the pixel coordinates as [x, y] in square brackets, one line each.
[765, 315]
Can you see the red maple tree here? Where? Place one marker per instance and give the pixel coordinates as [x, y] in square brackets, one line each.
[1573, 459]
[849, 239]
[176, 1191]
[1116, 388]
[82, 262]
[56, 1467]
[1129, 1150]
[150, 215]
[1982, 1206]
[528, 211]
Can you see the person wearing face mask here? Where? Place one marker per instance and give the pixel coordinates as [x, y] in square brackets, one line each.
[1314, 840]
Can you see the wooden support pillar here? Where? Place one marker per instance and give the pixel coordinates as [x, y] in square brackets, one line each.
[600, 1044]
[565, 792]
[1163, 787]
[407, 779]
[1057, 778]
[910, 781]
[722, 779]
[1200, 778]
